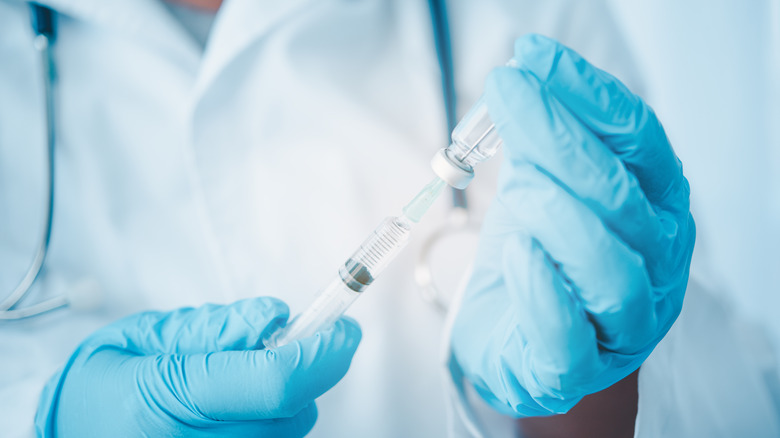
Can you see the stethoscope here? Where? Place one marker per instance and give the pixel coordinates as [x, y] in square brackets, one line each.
[45, 31]
[44, 26]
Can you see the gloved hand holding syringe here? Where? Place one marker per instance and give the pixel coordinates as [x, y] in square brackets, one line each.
[474, 140]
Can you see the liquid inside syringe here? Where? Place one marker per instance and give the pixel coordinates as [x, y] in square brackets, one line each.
[360, 270]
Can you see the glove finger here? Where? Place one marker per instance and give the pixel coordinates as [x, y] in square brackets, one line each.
[260, 384]
[538, 129]
[608, 277]
[626, 124]
[209, 328]
[485, 337]
[561, 356]
[296, 426]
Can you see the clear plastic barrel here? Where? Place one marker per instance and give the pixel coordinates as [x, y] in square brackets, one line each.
[381, 247]
[326, 308]
[354, 276]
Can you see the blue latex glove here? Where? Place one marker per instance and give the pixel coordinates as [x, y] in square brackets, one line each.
[584, 255]
[196, 373]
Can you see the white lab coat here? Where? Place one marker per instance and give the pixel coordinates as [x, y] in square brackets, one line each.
[712, 72]
[251, 169]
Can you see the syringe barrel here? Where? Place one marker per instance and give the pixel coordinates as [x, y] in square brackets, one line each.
[326, 308]
[379, 249]
[354, 276]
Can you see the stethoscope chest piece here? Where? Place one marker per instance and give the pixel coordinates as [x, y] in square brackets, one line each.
[443, 262]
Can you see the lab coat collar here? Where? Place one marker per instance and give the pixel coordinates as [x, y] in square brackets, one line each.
[146, 20]
[239, 24]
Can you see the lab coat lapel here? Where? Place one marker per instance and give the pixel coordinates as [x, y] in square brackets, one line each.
[239, 24]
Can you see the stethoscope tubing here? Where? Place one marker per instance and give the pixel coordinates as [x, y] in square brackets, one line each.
[458, 219]
[44, 27]
[441, 38]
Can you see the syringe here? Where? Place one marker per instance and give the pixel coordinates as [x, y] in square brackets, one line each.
[474, 140]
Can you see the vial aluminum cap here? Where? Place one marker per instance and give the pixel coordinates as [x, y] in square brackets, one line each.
[450, 171]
